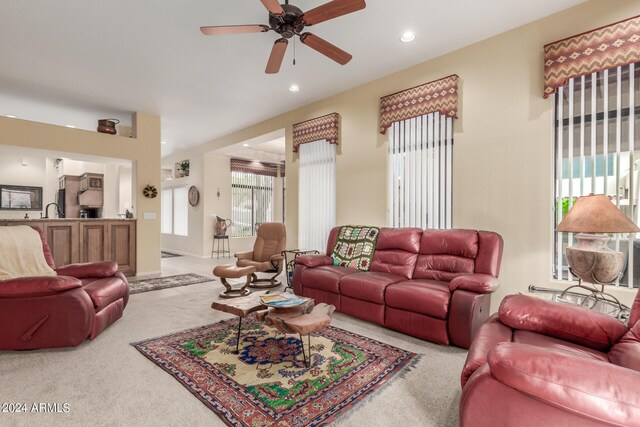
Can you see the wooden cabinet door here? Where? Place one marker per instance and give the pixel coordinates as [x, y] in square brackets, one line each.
[63, 241]
[122, 246]
[94, 241]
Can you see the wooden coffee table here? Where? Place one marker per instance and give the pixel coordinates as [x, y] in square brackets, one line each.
[303, 319]
[244, 306]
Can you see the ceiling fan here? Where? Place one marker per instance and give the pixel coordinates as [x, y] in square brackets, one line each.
[289, 21]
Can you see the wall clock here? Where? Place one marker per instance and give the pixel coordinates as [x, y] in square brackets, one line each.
[150, 191]
[194, 195]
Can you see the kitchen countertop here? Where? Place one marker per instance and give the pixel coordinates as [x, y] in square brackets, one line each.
[64, 219]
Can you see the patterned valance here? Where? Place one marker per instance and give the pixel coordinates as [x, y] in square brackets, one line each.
[437, 96]
[601, 49]
[325, 127]
[258, 168]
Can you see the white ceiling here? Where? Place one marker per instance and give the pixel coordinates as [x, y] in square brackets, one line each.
[71, 62]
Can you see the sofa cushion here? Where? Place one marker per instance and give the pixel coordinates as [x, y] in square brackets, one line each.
[404, 239]
[368, 286]
[394, 261]
[442, 267]
[460, 243]
[429, 297]
[325, 278]
[446, 254]
[105, 291]
[626, 352]
[544, 341]
[396, 251]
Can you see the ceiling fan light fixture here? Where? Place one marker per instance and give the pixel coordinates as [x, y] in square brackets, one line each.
[294, 88]
[407, 37]
[11, 116]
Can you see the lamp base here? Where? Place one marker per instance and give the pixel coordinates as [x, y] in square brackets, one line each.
[592, 261]
[595, 294]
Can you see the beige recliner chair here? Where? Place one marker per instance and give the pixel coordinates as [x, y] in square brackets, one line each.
[266, 257]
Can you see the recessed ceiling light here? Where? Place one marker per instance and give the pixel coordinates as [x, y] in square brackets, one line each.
[11, 116]
[407, 37]
[245, 145]
[294, 88]
[163, 142]
[70, 126]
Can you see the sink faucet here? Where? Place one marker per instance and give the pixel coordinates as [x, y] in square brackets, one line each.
[46, 210]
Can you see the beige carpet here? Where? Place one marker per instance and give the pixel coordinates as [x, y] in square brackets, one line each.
[107, 382]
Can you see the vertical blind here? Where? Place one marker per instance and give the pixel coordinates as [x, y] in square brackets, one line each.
[597, 152]
[180, 211]
[174, 207]
[166, 197]
[251, 201]
[317, 194]
[419, 172]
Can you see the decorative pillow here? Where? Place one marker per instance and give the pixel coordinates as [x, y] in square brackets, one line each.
[21, 253]
[355, 246]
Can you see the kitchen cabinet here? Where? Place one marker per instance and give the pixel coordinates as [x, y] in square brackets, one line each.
[89, 240]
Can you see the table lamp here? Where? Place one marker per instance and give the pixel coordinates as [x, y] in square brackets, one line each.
[591, 259]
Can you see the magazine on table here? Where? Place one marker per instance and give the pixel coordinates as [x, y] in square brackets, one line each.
[282, 300]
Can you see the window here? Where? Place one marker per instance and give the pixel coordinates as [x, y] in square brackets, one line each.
[175, 211]
[419, 172]
[167, 211]
[316, 194]
[251, 201]
[181, 211]
[597, 151]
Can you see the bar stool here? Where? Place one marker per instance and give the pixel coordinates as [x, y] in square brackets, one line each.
[220, 238]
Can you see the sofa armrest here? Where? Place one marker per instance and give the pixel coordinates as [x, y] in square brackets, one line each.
[593, 388]
[568, 322]
[480, 283]
[25, 287]
[98, 270]
[490, 334]
[314, 260]
[244, 255]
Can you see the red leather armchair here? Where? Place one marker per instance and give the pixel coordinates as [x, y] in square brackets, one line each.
[63, 310]
[538, 362]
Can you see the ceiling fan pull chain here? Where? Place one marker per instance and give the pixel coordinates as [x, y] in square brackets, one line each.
[294, 51]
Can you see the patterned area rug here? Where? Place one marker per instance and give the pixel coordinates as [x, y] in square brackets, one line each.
[146, 285]
[164, 254]
[268, 383]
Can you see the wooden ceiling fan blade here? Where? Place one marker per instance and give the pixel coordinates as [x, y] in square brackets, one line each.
[276, 57]
[233, 29]
[325, 48]
[331, 10]
[273, 6]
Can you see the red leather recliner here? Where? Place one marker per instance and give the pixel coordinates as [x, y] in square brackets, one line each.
[538, 362]
[63, 310]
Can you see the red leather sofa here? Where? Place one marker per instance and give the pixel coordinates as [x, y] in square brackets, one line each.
[538, 362]
[431, 284]
[63, 310]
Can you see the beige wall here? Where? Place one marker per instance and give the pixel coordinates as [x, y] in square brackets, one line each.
[143, 150]
[503, 150]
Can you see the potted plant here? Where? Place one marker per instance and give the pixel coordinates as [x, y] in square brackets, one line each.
[184, 168]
